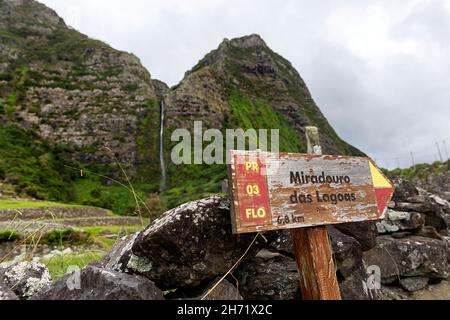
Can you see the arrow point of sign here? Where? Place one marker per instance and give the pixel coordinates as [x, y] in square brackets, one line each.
[383, 197]
[383, 188]
[378, 179]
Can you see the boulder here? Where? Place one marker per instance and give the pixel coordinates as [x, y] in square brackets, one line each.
[187, 246]
[399, 221]
[6, 293]
[96, 283]
[347, 250]
[429, 232]
[269, 276]
[406, 191]
[409, 198]
[408, 257]
[283, 243]
[412, 284]
[435, 214]
[25, 278]
[223, 291]
[355, 287]
[121, 251]
[447, 240]
[365, 232]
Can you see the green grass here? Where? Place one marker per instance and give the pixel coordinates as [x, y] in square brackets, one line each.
[33, 166]
[8, 235]
[58, 265]
[67, 236]
[420, 171]
[39, 170]
[119, 230]
[255, 114]
[106, 236]
[24, 204]
[90, 191]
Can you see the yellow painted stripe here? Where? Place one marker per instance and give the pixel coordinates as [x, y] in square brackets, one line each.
[379, 181]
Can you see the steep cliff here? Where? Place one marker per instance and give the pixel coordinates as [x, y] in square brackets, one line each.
[61, 89]
[244, 84]
[71, 89]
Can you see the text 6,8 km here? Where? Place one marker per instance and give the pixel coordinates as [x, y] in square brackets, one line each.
[290, 218]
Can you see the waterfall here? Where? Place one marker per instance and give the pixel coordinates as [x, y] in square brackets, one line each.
[162, 185]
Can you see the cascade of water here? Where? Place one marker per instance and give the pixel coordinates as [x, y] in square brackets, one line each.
[162, 185]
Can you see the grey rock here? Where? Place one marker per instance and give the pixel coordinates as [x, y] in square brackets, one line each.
[347, 250]
[391, 292]
[188, 245]
[269, 276]
[406, 191]
[95, 283]
[161, 88]
[6, 293]
[25, 278]
[399, 221]
[438, 183]
[408, 257]
[283, 243]
[223, 291]
[409, 198]
[354, 286]
[447, 241]
[365, 232]
[412, 284]
[121, 251]
[429, 232]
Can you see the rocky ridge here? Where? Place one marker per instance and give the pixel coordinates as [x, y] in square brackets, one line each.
[71, 89]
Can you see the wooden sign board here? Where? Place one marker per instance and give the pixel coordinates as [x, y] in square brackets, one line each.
[272, 191]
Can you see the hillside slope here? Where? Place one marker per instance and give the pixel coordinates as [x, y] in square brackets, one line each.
[434, 178]
[72, 109]
[66, 99]
[244, 84]
[69, 88]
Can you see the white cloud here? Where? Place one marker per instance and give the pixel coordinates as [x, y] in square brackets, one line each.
[377, 69]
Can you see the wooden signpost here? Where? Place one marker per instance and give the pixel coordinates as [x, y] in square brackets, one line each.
[306, 192]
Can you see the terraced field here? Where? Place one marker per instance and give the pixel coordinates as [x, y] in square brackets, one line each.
[60, 235]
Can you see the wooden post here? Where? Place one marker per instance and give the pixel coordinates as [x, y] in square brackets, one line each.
[312, 250]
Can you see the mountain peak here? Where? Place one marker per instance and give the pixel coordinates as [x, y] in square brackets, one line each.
[250, 41]
[29, 15]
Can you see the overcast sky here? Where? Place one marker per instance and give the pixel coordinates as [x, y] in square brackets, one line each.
[379, 70]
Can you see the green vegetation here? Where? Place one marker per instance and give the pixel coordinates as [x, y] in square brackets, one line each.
[65, 236]
[24, 204]
[117, 230]
[106, 236]
[420, 171]
[8, 235]
[90, 191]
[34, 167]
[59, 265]
[148, 144]
[190, 182]
[39, 170]
[293, 87]
[102, 238]
[247, 114]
